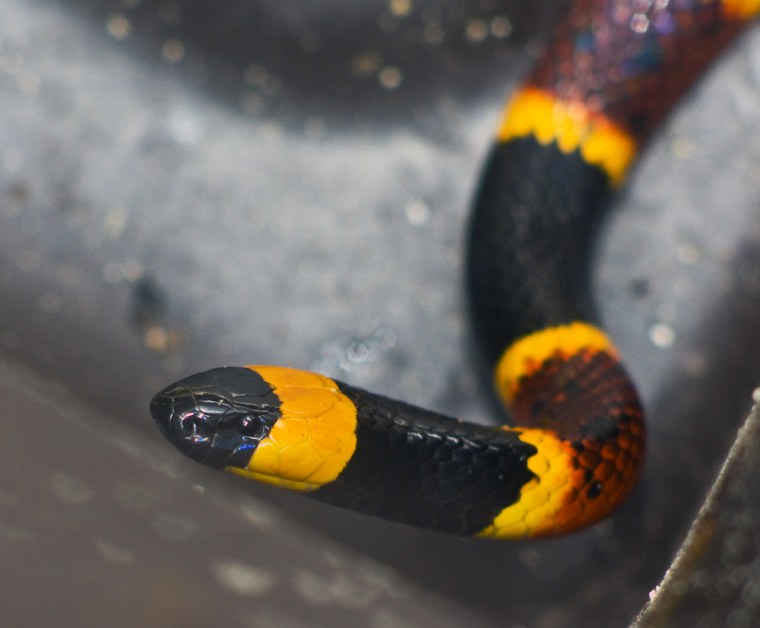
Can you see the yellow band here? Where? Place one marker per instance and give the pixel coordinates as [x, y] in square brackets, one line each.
[571, 126]
[527, 354]
[740, 9]
[313, 439]
[541, 499]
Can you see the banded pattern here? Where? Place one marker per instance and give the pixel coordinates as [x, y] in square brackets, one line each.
[567, 141]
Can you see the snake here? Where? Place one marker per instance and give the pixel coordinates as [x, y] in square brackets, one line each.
[573, 446]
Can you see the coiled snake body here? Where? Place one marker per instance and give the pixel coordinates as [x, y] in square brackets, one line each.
[576, 444]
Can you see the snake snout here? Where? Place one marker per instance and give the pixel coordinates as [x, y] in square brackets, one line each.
[162, 410]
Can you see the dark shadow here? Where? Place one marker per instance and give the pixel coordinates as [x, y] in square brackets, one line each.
[295, 60]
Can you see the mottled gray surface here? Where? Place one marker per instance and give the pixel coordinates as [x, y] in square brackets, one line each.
[98, 529]
[185, 185]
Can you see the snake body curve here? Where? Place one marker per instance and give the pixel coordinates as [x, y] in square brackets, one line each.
[575, 449]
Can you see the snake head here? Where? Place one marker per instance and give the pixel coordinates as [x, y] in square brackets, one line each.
[218, 417]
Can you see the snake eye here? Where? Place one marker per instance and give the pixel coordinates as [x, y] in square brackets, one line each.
[252, 427]
[195, 425]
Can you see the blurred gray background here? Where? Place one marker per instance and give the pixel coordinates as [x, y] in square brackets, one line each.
[189, 184]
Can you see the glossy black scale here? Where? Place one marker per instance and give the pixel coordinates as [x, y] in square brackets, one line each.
[426, 469]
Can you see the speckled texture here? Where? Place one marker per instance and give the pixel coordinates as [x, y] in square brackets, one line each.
[150, 207]
[620, 48]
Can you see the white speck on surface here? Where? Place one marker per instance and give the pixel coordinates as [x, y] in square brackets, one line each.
[400, 8]
[257, 513]
[417, 212]
[185, 128]
[173, 50]
[242, 579]
[346, 355]
[118, 26]
[174, 528]
[113, 553]
[682, 148]
[390, 77]
[639, 23]
[662, 335]
[653, 593]
[501, 27]
[476, 30]
[366, 64]
[688, 253]
[70, 490]
[114, 221]
[334, 589]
